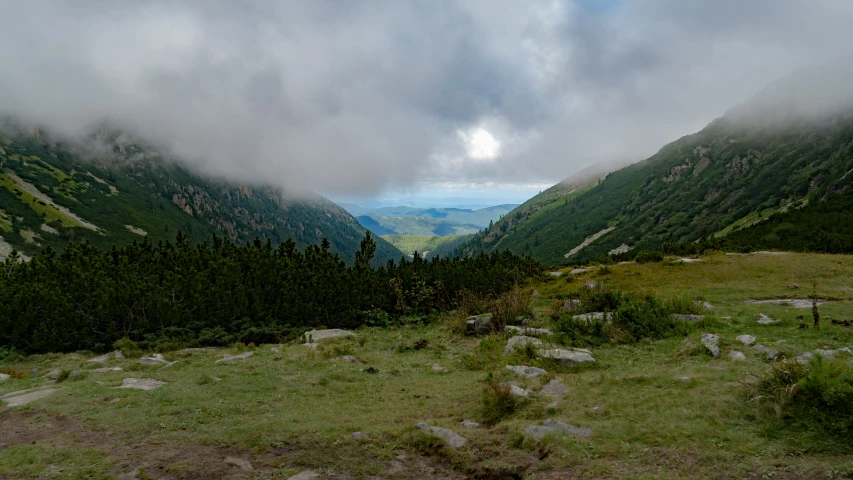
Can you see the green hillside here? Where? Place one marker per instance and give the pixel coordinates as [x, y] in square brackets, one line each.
[726, 177]
[52, 193]
[427, 221]
[427, 246]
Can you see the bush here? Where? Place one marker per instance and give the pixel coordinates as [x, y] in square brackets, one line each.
[128, 348]
[628, 318]
[509, 306]
[498, 403]
[815, 398]
[649, 256]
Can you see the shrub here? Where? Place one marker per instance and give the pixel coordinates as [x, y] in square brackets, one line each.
[649, 256]
[815, 398]
[128, 348]
[15, 372]
[498, 403]
[509, 306]
[628, 318]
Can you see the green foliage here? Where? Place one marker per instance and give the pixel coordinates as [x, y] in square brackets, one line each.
[629, 317]
[648, 256]
[815, 398]
[128, 347]
[168, 296]
[427, 246]
[498, 403]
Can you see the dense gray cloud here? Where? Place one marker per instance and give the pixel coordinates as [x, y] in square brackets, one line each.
[353, 97]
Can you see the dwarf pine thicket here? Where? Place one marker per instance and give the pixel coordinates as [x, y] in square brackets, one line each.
[220, 292]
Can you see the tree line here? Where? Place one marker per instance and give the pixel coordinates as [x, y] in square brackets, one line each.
[86, 298]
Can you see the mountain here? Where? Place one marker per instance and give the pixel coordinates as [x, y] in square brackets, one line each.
[109, 190]
[774, 153]
[403, 220]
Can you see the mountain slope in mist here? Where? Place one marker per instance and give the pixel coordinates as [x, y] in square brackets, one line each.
[111, 191]
[772, 154]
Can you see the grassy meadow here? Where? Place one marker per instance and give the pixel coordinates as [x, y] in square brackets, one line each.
[657, 409]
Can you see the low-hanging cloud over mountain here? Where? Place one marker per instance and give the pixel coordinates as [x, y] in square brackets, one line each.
[352, 97]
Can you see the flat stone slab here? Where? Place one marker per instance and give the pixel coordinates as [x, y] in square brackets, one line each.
[579, 271]
[470, 424]
[528, 331]
[712, 343]
[771, 353]
[555, 274]
[765, 252]
[689, 260]
[524, 371]
[451, 438]
[4, 377]
[745, 339]
[239, 462]
[141, 383]
[593, 316]
[520, 341]
[105, 357]
[305, 475]
[738, 356]
[320, 335]
[555, 390]
[765, 320]
[568, 357]
[231, 358]
[105, 370]
[23, 397]
[789, 302]
[155, 359]
[687, 318]
[556, 426]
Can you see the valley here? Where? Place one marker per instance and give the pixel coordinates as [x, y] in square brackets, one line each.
[653, 409]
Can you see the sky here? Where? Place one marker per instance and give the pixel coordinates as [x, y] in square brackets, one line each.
[396, 99]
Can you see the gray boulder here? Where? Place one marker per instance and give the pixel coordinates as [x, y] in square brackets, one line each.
[470, 424]
[765, 320]
[451, 438]
[735, 355]
[480, 324]
[231, 358]
[712, 343]
[519, 342]
[804, 357]
[239, 462]
[556, 426]
[555, 390]
[593, 316]
[579, 271]
[24, 397]
[568, 357]
[771, 353]
[305, 475]
[436, 367]
[687, 318]
[155, 359]
[4, 377]
[747, 340]
[515, 390]
[141, 383]
[528, 331]
[526, 371]
[315, 336]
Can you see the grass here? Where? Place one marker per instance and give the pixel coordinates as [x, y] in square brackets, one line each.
[657, 408]
[48, 212]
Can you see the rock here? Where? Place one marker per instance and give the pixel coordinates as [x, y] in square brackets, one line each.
[804, 357]
[629, 262]
[703, 304]
[571, 303]
[239, 462]
[132, 475]
[312, 346]
[24, 397]
[53, 374]
[684, 379]
[480, 324]
[229, 359]
[579, 271]
[4, 377]
[590, 284]
[107, 356]
[519, 342]
[515, 390]
[436, 367]
[350, 359]
[712, 343]
[470, 424]
[141, 383]
[826, 353]
[772, 353]
[106, 369]
[689, 260]
[75, 373]
[765, 320]
[593, 316]
[535, 293]
[556, 426]
[789, 302]
[555, 274]
[155, 359]
[687, 318]
[745, 339]
[735, 355]
[555, 390]
[273, 350]
[524, 371]
[451, 438]
[765, 252]
[359, 436]
[315, 336]
[305, 475]
[568, 357]
[528, 331]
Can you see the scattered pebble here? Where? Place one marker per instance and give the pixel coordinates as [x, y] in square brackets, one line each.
[470, 424]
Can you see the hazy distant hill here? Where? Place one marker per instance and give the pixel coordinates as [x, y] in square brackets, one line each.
[427, 221]
[108, 190]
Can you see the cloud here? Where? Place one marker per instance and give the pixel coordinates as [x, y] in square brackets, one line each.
[351, 98]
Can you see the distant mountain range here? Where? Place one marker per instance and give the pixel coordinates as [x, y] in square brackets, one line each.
[789, 148]
[108, 190]
[404, 220]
